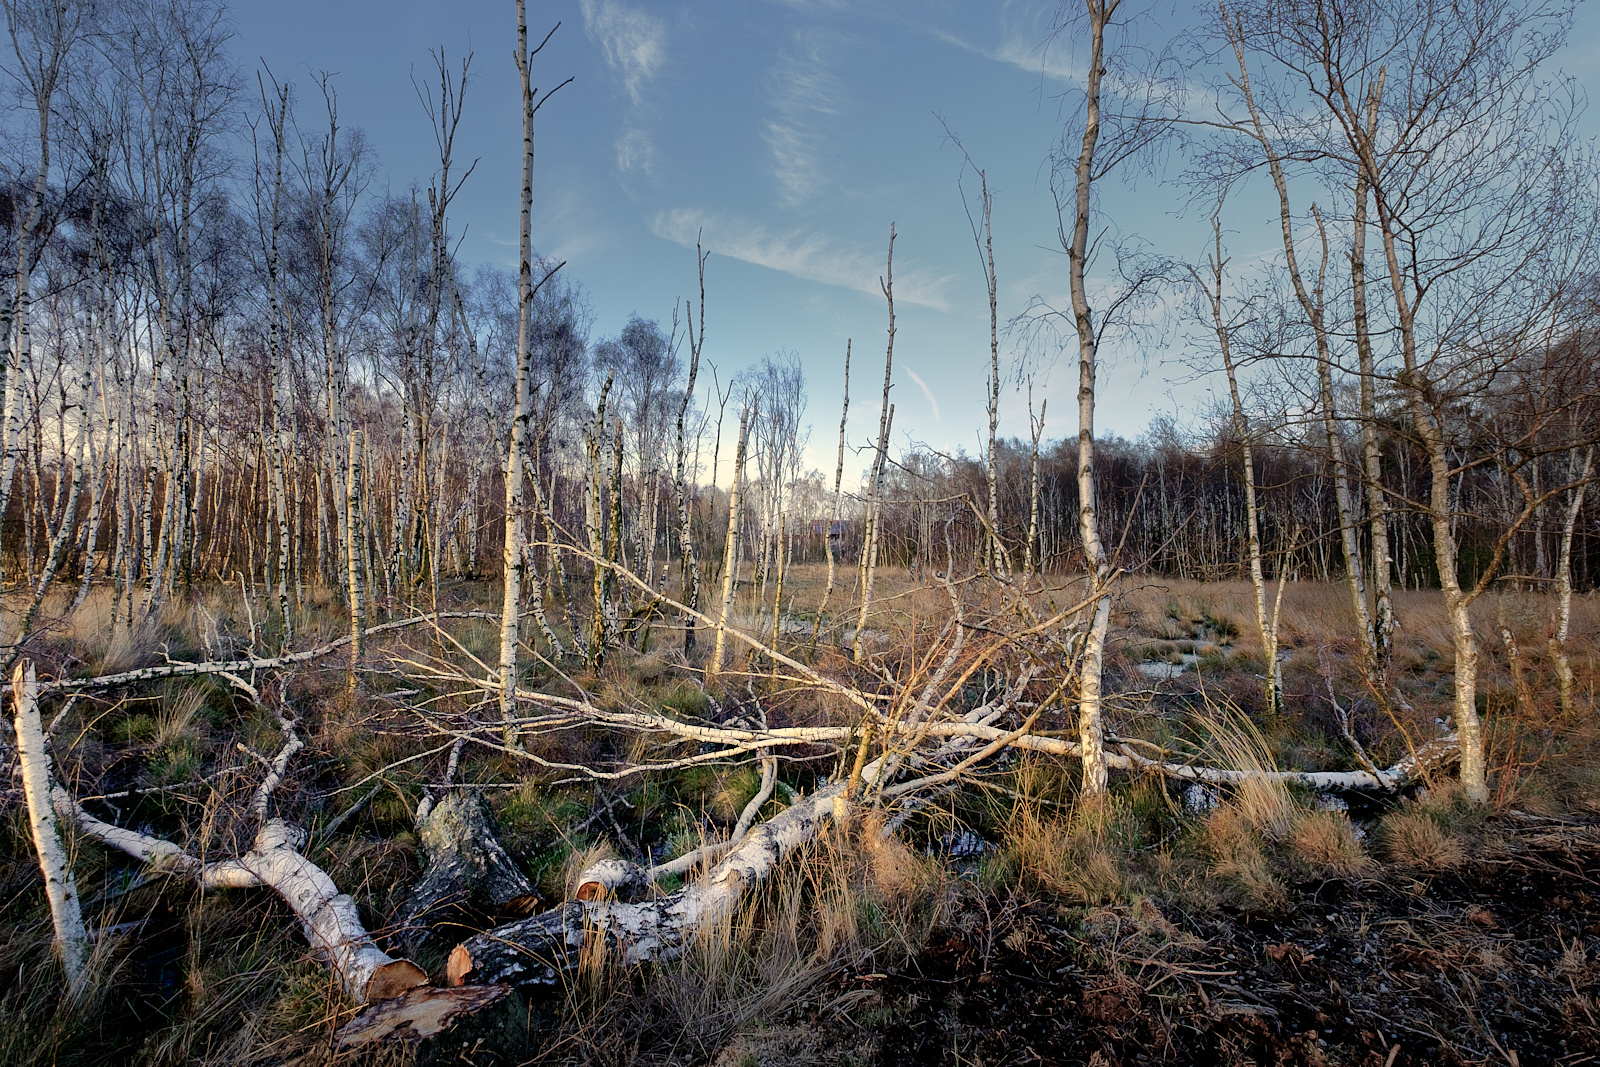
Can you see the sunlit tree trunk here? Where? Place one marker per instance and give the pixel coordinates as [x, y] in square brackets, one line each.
[1091, 728]
[730, 557]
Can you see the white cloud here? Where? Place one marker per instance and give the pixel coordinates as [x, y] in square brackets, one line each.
[636, 151]
[926, 393]
[801, 253]
[633, 40]
[1027, 45]
[804, 88]
[813, 6]
[1052, 60]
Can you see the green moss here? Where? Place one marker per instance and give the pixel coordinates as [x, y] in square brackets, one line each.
[177, 761]
[132, 729]
[686, 699]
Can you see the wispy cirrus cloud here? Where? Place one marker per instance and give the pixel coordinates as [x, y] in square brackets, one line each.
[801, 253]
[804, 90]
[636, 150]
[927, 394]
[634, 43]
[632, 40]
[1027, 44]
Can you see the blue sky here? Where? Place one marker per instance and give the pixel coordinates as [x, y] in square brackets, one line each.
[791, 133]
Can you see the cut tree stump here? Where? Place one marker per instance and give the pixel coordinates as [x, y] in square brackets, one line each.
[537, 950]
[416, 1014]
[466, 863]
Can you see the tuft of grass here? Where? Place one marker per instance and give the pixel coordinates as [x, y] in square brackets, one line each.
[1259, 796]
[1325, 843]
[1233, 842]
[1080, 858]
[1413, 839]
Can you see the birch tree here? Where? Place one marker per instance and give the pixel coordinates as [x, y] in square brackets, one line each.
[515, 559]
[1483, 211]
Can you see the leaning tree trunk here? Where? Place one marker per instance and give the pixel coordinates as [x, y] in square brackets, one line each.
[72, 939]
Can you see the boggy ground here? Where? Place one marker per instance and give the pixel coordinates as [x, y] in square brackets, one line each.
[1251, 927]
[1458, 938]
[1492, 962]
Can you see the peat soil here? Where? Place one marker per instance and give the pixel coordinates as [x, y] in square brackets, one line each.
[1493, 961]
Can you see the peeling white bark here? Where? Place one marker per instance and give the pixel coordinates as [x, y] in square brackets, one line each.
[329, 918]
[72, 939]
[538, 949]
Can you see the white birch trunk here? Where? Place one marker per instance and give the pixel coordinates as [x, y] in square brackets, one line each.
[513, 556]
[869, 547]
[354, 540]
[71, 938]
[1090, 727]
[1558, 640]
[730, 554]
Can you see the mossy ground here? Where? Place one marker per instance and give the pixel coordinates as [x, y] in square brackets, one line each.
[1256, 928]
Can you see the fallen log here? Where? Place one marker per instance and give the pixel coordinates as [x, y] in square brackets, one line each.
[61, 889]
[465, 861]
[251, 663]
[539, 949]
[328, 917]
[416, 1014]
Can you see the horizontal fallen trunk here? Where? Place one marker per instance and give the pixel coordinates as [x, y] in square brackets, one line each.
[329, 918]
[251, 663]
[539, 949]
[737, 741]
[612, 879]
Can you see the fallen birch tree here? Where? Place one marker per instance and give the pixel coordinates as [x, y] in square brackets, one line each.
[329, 918]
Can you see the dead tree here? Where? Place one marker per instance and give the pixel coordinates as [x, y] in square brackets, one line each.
[730, 555]
[71, 937]
[329, 918]
[880, 458]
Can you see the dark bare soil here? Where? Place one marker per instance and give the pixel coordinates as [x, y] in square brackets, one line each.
[1493, 962]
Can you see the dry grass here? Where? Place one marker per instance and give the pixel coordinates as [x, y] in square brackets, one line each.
[1236, 744]
[1414, 840]
[1238, 856]
[1325, 843]
[1080, 857]
[245, 987]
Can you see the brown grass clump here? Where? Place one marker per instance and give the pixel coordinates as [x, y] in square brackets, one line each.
[1325, 842]
[1233, 843]
[1260, 798]
[895, 871]
[1415, 840]
[1079, 858]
